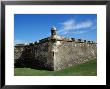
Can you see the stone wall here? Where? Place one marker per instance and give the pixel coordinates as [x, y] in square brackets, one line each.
[35, 56]
[43, 56]
[54, 54]
[70, 53]
[19, 56]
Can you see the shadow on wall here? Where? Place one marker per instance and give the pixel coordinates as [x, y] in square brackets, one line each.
[27, 60]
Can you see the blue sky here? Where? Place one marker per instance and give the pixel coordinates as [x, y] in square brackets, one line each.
[33, 27]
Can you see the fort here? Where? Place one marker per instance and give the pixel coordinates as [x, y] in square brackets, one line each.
[54, 52]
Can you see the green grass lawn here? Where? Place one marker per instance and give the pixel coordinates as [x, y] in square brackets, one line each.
[86, 69]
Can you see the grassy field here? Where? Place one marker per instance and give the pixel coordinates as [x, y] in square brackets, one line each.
[86, 69]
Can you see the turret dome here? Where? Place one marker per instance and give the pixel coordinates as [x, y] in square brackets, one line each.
[53, 28]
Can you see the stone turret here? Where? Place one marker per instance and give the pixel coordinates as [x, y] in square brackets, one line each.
[53, 31]
[54, 37]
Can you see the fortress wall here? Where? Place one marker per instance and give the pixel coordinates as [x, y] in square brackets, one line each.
[44, 56]
[18, 52]
[23, 56]
[19, 55]
[54, 55]
[54, 52]
[71, 53]
[35, 56]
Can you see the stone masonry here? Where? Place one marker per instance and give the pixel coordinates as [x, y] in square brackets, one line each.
[54, 52]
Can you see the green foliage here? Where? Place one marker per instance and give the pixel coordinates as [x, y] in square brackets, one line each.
[85, 69]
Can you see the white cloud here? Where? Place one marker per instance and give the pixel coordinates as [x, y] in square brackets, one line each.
[94, 27]
[82, 25]
[20, 42]
[74, 32]
[72, 25]
[68, 24]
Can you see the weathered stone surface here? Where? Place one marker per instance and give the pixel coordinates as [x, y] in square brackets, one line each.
[54, 55]
[35, 56]
[70, 53]
[44, 56]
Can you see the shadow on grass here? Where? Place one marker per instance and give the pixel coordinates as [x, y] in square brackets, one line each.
[24, 65]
